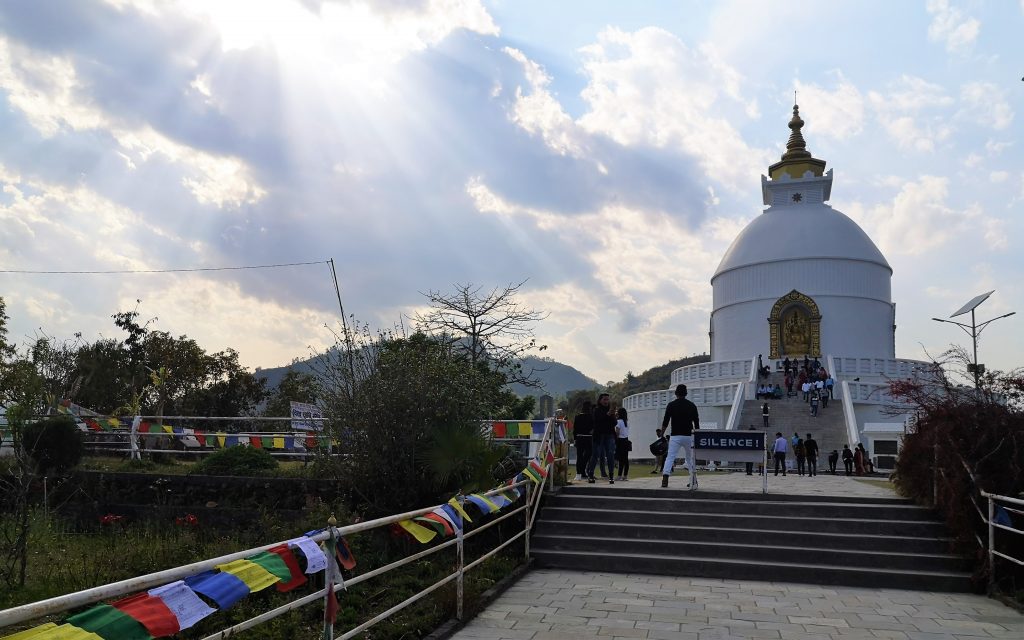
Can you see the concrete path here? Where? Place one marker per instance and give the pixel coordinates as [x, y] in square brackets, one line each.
[567, 605]
[820, 485]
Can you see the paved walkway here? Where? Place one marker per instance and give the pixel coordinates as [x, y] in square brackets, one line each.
[567, 605]
[820, 485]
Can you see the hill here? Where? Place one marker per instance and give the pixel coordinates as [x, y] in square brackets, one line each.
[654, 379]
[556, 378]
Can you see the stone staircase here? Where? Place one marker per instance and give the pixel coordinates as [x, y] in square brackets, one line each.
[793, 414]
[881, 542]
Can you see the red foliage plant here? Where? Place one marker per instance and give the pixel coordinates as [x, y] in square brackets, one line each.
[961, 439]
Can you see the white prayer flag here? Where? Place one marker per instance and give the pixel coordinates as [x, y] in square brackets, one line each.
[186, 606]
[316, 559]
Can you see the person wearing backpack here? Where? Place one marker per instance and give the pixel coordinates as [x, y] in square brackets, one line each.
[848, 459]
[658, 449]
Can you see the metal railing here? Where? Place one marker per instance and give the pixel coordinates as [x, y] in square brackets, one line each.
[131, 586]
[993, 526]
[737, 407]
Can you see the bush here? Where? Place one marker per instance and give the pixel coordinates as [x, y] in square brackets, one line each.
[237, 461]
[53, 444]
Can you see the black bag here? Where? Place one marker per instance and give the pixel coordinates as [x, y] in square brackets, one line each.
[629, 445]
[659, 447]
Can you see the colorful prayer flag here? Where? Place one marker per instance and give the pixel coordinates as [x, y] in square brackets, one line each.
[539, 426]
[316, 561]
[344, 554]
[50, 631]
[550, 457]
[498, 428]
[485, 505]
[451, 515]
[531, 474]
[458, 507]
[539, 468]
[109, 624]
[253, 575]
[151, 613]
[525, 430]
[220, 440]
[273, 563]
[223, 588]
[288, 557]
[186, 606]
[418, 531]
[278, 442]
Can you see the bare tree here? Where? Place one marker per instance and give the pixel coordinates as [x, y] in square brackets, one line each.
[489, 327]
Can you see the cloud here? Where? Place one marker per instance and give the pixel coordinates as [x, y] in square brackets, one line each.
[913, 112]
[919, 220]
[952, 27]
[985, 104]
[838, 113]
[648, 87]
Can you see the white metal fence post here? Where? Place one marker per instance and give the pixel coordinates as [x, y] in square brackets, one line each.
[332, 546]
[991, 546]
[461, 552]
[526, 516]
[134, 438]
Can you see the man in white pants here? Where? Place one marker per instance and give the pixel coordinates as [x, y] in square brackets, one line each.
[682, 415]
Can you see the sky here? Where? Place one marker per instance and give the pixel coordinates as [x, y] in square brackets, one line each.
[606, 153]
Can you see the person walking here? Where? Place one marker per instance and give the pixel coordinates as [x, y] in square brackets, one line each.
[801, 456]
[779, 451]
[848, 459]
[658, 449]
[833, 460]
[583, 439]
[814, 403]
[806, 389]
[750, 465]
[604, 437]
[682, 415]
[622, 445]
[811, 451]
[830, 384]
[858, 459]
[764, 414]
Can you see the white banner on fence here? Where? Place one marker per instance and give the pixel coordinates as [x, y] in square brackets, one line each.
[306, 417]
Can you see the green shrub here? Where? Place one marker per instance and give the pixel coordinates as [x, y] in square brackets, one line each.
[53, 444]
[237, 461]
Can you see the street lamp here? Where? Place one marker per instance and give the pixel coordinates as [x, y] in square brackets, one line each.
[974, 329]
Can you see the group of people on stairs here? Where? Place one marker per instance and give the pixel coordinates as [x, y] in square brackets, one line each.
[601, 435]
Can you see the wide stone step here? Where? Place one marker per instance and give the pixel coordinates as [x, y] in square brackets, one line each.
[768, 569]
[866, 526]
[765, 538]
[810, 508]
[753, 550]
[681, 494]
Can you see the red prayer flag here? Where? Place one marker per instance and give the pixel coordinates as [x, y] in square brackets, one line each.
[201, 438]
[151, 612]
[345, 557]
[256, 442]
[500, 430]
[298, 578]
[550, 457]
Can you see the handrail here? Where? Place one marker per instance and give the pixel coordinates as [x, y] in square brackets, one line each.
[737, 406]
[849, 414]
[70, 601]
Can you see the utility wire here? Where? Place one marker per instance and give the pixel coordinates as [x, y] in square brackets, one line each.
[254, 266]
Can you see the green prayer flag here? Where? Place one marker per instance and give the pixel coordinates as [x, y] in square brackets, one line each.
[110, 624]
[267, 442]
[273, 563]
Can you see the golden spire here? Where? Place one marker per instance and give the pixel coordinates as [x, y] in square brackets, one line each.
[797, 160]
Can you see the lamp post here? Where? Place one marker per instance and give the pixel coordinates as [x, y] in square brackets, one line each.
[974, 329]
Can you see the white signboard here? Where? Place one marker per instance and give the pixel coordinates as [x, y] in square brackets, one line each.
[306, 417]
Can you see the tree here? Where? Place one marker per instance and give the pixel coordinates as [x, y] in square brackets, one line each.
[491, 327]
[411, 432]
[295, 386]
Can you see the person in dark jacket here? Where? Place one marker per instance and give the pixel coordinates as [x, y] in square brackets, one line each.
[811, 451]
[833, 461]
[848, 459]
[604, 437]
[682, 415]
[583, 438]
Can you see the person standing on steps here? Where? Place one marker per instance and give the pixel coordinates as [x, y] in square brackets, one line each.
[750, 465]
[681, 414]
[848, 459]
[764, 414]
[583, 438]
[833, 460]
[814, 403]
[811, 451]
[622, 445]
[604, 437]
[779, 451]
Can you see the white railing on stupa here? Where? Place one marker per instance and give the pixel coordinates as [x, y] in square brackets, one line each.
[725, 370]
[722, 394]
[888, 367]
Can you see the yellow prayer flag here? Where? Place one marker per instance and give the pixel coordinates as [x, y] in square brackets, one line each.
[458, 507]
[525, 429]
[253, 575]
[421, 533]
[220, 440]
[279, 442]
[490, 503]
[168, 428]
[50, 631]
